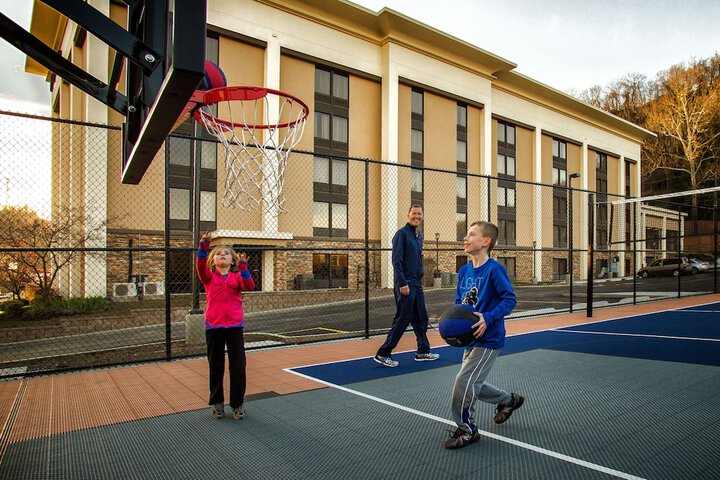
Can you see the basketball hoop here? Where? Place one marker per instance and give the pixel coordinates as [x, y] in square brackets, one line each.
[256, 148]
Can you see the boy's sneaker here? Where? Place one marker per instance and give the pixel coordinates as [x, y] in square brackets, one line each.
[426, 357]
[387, 361]
[460, 438]
[217, 411]
[503, 412]
[239, 412]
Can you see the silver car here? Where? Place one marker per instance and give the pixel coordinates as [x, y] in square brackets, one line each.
[699, 266]
[667, 266]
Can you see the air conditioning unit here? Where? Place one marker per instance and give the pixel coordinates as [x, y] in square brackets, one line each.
[153, 288]
[124, 291]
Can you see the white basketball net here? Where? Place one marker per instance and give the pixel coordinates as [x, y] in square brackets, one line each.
[255, 157]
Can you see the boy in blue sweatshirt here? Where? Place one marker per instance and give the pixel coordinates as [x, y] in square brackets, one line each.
[484, 285]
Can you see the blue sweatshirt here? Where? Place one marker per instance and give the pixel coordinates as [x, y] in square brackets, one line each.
[487, 289]
[407, 256]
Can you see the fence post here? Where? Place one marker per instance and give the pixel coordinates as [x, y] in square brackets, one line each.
[367, 246]
[715, 245]
[168, 314]
[679, 249]
[590, 252]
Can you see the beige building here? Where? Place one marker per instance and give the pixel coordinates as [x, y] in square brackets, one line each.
[462, 132]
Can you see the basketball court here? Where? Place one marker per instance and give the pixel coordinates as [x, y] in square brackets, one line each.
[634, 393]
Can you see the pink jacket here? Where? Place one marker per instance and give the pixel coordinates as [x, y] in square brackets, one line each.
[224, 300]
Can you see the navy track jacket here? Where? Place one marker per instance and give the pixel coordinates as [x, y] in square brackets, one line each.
[407, 256]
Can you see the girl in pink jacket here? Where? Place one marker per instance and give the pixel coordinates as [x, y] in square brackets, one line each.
[224, 322]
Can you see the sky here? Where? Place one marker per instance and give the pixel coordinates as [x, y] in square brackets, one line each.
[569, 45]
[575, 44]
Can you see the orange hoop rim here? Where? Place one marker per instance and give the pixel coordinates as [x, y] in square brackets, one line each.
[202, 98]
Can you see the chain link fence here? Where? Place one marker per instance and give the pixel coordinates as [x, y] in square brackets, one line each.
[97, 273]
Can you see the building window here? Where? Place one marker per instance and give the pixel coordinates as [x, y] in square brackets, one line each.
[652, 238]
[460, 260]
[461, 167]
[672, 241]
[330, 271]
[560, 193]
[601, 185]
[330, 219]
[461, 225]
[506, 183]
[506, 232]
[330, 174]
[417, 158]
[509, 264]
[180, 176]
[559, 268]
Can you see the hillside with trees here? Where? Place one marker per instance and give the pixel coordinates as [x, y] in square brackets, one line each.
[681, 105]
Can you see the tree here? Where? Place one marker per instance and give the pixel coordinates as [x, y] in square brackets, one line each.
[40, 247]
[685, 115]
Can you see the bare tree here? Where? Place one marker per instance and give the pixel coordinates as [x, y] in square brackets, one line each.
[685, 115]
[40, 247]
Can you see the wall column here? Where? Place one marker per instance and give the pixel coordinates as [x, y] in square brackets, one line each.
[97, 57]
[389, 174]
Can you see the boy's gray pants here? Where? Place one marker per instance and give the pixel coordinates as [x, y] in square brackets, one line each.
[470, 385]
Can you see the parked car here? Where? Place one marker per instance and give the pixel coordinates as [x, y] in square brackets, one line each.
[667, 266]
[699, 266]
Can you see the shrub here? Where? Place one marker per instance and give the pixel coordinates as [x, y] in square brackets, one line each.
[86, 305]
[53, 305]
[12, 308]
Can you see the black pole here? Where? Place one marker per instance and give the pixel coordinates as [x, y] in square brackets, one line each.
[633, 237]
[196, 159]
[590, 252]
[715, 245]
[570, 240]
[367, 249]
[168, 315]
[679, 251]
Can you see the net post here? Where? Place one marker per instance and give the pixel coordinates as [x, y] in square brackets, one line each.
[715, 245]
[570, 241]
[590, 253]
[633, 237]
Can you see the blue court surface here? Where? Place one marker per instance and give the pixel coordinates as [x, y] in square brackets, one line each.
[632, 398]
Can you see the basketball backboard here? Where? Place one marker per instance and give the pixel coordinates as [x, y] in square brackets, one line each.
[162, 52]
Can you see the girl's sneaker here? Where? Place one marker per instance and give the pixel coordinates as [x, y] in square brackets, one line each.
[217, 411]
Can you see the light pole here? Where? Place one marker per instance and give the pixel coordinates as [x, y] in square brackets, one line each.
[437, 255]
[570, 233]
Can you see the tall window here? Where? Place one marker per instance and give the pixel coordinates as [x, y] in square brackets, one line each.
[601, 188]
[180, 173]
[629, 206]
[417, 148]
[330, 173]
[506, 184]
[461, 166]
[509, 264]
[560, 194]
[560, 269]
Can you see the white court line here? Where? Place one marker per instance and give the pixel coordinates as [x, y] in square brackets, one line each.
[517, 443]
[670, 337]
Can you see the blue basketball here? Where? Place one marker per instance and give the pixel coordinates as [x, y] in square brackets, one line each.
[456, 323]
